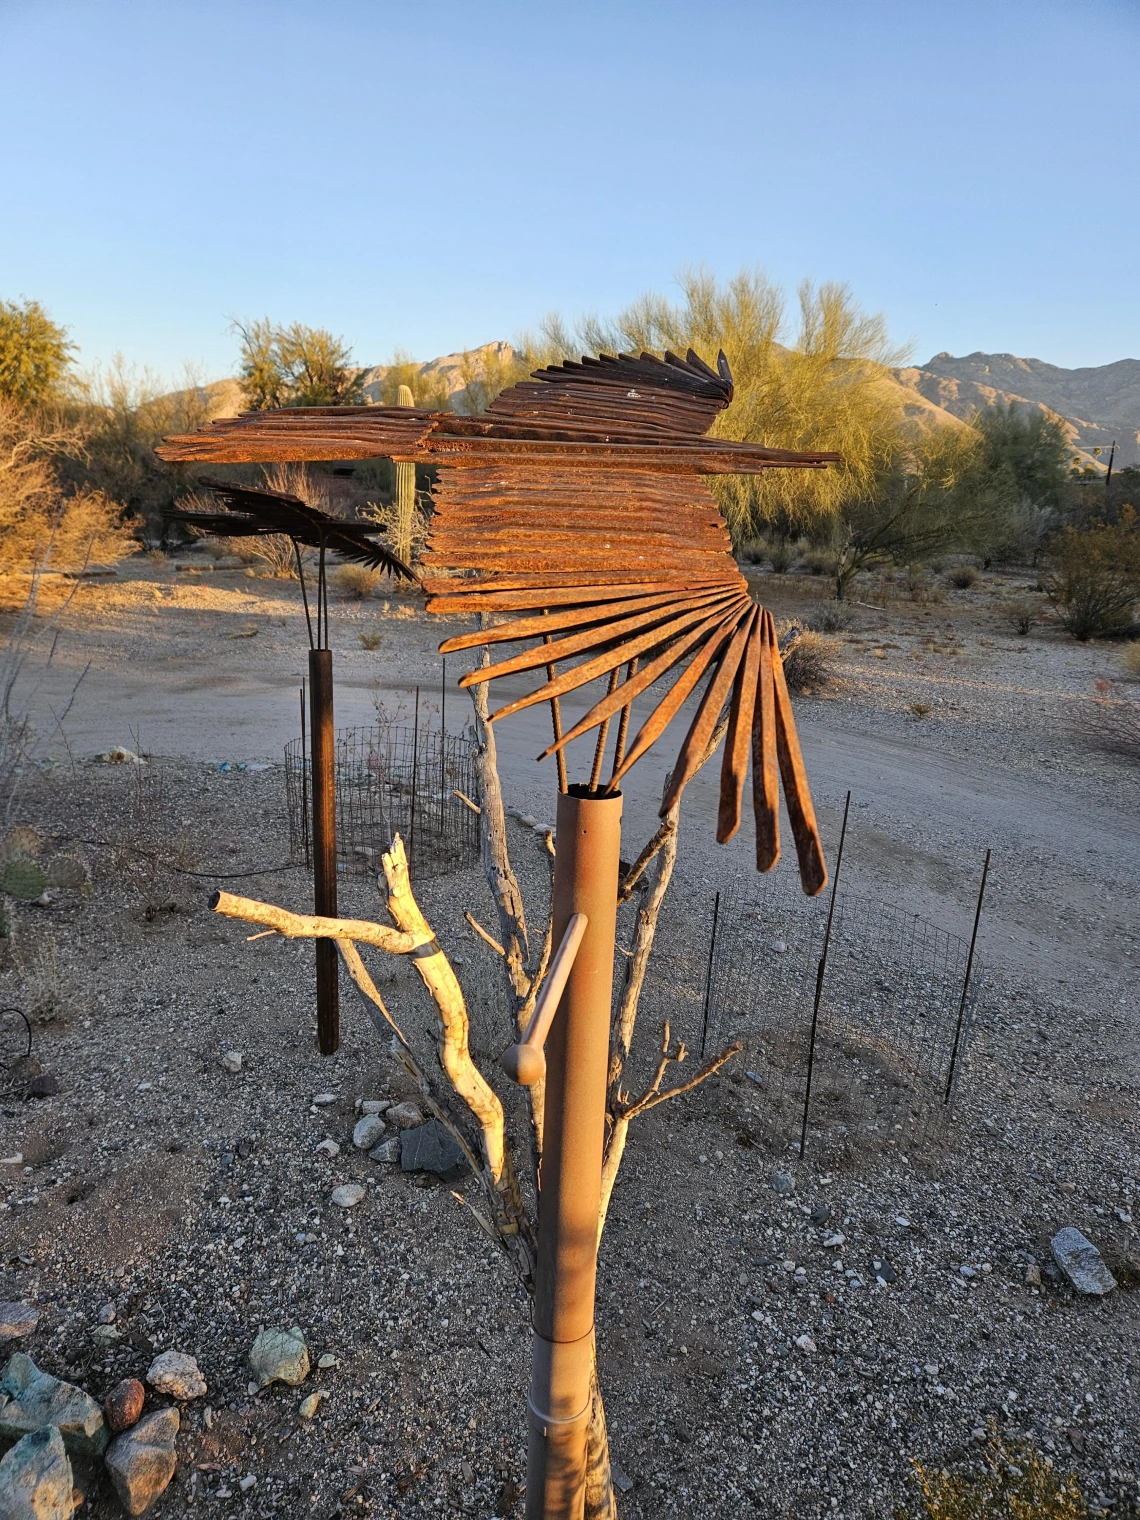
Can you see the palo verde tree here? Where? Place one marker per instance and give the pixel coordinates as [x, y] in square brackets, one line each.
[295, 365]
[35, 355]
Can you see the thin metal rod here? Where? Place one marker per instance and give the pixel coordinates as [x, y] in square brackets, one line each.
[442, 742]
[623, 722]
[966, 983]
[415, 781]
[305, 768]
[525, 1062]
[819, 975]
[708, 976]
[324, 843]
[304, 593]
[603, 730]
[556, 719]
[1111, 457]
[322, 601]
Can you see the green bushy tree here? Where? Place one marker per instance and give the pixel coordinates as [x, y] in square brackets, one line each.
[35, 355]
[295, 365]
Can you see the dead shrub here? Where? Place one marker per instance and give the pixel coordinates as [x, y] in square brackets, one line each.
[808, 657]
[1021, 614]
[356, 581]
[753, 551]
[1130, 660]
[963, 577]
[371, 640]
[1114, 721]
[833, 618]
[1011, 1481]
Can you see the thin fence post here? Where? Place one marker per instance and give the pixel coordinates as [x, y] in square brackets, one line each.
[820, 973]
[954, 1049]
[442, 743]
[305, 780]
[415, 782]
[708, 975]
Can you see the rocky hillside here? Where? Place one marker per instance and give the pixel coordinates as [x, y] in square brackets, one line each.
[1097, 404]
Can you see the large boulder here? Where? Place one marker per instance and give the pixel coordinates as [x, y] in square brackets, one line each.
[35, 1478]
[32, 1400]
[142, 1460]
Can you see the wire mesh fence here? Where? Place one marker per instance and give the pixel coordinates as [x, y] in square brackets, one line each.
[392, 778]
[884, 1065]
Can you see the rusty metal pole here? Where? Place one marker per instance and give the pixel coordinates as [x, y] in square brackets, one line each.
[323, 773]
[577, 1052]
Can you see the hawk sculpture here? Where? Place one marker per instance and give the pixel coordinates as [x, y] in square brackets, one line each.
[574, 511]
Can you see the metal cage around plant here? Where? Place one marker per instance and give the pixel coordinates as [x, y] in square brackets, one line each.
[407, 779]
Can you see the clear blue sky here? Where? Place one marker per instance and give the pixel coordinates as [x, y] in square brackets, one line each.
[434, 175]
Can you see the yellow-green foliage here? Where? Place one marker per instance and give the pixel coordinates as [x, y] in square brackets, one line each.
[357, 580]
[34, 353]
[1015, 1482]
[405, 373]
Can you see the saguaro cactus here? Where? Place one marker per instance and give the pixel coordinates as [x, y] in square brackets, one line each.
[405, 491]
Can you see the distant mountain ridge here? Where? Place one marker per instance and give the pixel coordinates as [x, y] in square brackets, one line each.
[1097, 404]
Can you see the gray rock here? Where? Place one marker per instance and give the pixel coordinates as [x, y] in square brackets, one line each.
[388, 1150]
[124, 1405]
[782, 1182]
[232, 1061]
[347, 1195]
[375, 1105]
[368, 1132]
[621, 1479]
[404, 1115]
[31, 1400]
[431, 1148]
[1081, 1262]
[16, 1321]
[107, 1315]
[176, 1374]
[280, 1356]
[142, 1460]
[35, 1478]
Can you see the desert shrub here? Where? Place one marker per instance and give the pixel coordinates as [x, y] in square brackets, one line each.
[753, 551]
[819, 561]
[1130, 660]
[808, 657]
[1012, 1482]
[371, 640]
[1096, 577]
[833, 618]
[1021, 614]
[919, 587]
[1114, 722]
[358, 581]
[34, 354]
[962, 577]
[782, 553]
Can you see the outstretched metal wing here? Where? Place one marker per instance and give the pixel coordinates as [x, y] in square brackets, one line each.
[255, 512]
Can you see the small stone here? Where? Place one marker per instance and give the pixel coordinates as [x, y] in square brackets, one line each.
[780, 947]
[375, 1105]
[280, 1356]
[176, 1374]
[328, 1360]
[884, 1272]
[820, 1213]
[309, 1406]
[1068, 1187]
[527, 821]
[107, 1335]
[1032, 1275]
[347, 1195]
[246, 1483]
[805, 1343]
[107, 1315]
[328, 1148]
[404, 1115]
[324, 1100]
[232, 1061]
[17, 1320]
[35, 1478]
[782, 1182]
[142, 1460]
[834, 1240]
[368, 1131]
[432, 1148]
[966, 1271]
[931, 1369]
[387, 1150]
[1081, 1262]
[621, 1479]
[43, 1086]
[124, 1404]
[31, 1400]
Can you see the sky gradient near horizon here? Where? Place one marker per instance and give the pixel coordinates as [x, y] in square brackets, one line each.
[430, 178]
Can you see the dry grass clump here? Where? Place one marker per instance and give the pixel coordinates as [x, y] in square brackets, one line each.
[1114, 720]
[1130, 660]
[1014, 1482]
[833, 618]
[1022, 613]
[962, 577]
[357, 580]
[371, 640]
[808, 657]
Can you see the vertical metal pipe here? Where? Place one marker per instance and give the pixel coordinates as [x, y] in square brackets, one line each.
[415, 785]
[305, 783]
[323, 769]
[577, 1051]
[708, 975]
[821, 972]
[966, 983]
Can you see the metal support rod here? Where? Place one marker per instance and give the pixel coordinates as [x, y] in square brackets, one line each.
[442, 743]
[603, 730]
[577, 1052]
[821, 971]
[1111, 457]
[525, 1061]
[708, 976]
[323, 771]
[966, 984]
[556, 721]
[415, 783]
[305, 769]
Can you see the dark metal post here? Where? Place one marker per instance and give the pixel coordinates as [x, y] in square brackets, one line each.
[577, 1053]
[324, 843]
[442, 743]
[819, 975]
[708, 976]
[415, 784]
[966, 984]
[305, 782]
[1111, 457]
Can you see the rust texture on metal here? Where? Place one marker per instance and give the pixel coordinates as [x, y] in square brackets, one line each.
[574, 507]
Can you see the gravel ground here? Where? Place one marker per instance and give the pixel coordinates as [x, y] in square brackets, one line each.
[744, 1371]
